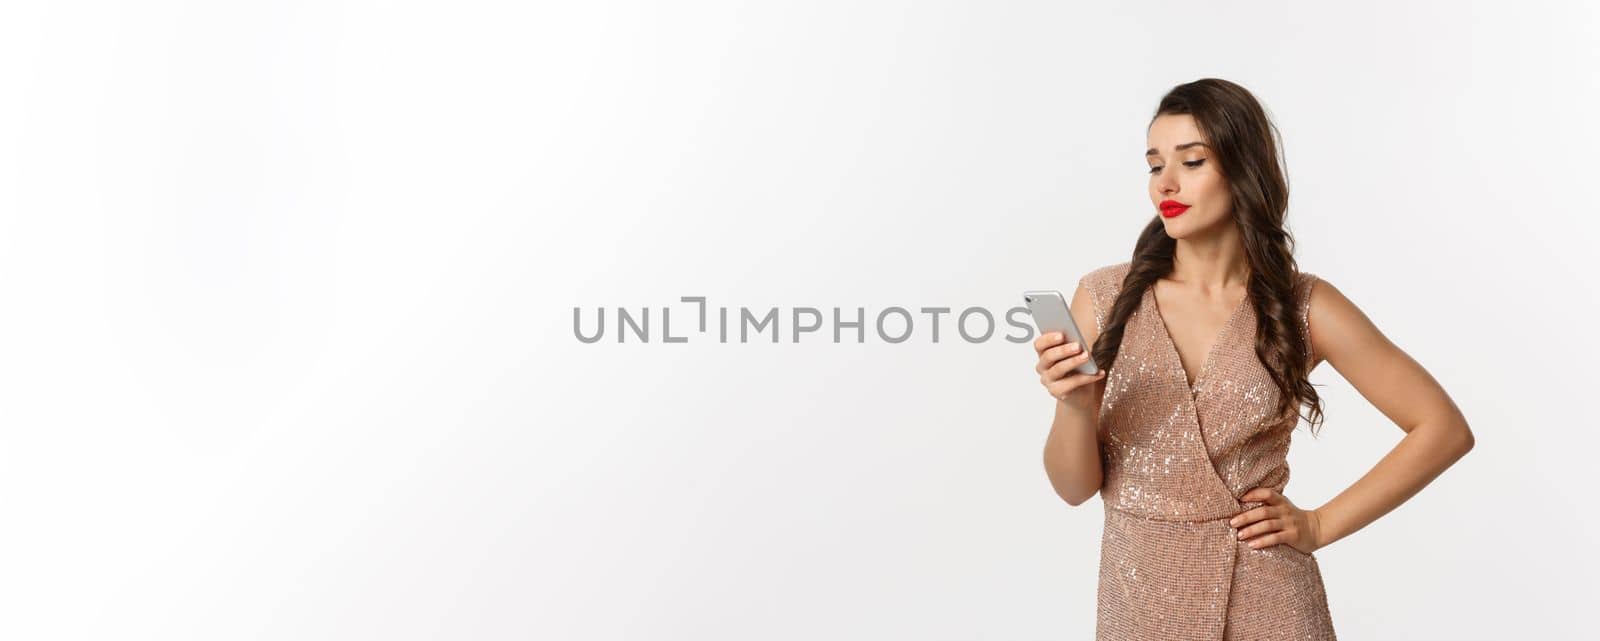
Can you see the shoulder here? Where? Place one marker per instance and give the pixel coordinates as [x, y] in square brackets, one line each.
[1106, 277]
[1305, 286]
[1102, 284]
[1315, 294]
[1328, 318]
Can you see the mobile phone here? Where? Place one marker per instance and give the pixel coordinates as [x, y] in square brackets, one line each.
[1051, 314]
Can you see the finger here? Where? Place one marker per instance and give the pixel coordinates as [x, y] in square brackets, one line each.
[1258, 494]
[1070, 383]
[1062, 351]
[1046, 341]
[1261, 527]
[1057, 352]
[1063, 369]
[1266, 495]
[1251, 516]
[1268, 540]
[1052, 356]
[1060, 369]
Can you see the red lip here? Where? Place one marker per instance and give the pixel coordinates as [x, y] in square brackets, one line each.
[1171, 208]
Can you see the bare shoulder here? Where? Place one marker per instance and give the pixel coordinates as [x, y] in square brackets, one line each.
[1337, 325]
[1383, 373]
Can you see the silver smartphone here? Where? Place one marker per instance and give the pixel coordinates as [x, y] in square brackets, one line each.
[1051, 314]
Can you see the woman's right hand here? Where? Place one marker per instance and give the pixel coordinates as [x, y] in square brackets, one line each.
[1057, 361]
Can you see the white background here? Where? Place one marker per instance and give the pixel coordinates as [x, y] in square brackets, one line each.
[288, 349]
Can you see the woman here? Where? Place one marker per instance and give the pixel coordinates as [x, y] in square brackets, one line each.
[1204, 340]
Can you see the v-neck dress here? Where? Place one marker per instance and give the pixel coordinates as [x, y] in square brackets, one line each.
[1176, 458]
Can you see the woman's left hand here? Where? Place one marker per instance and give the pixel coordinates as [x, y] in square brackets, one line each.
[1279, 521]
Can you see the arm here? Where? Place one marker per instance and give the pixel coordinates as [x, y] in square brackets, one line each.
[1072, 451]
[1436, 433]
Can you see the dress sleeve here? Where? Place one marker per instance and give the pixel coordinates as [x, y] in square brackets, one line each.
[1088, 285]
[1103, 285]
[1303, 313]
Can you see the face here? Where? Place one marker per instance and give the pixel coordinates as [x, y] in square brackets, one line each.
[1183, 169]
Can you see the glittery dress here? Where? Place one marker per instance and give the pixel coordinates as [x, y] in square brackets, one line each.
[1176, 457]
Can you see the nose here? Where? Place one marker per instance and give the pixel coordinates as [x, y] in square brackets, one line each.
[1166, 184]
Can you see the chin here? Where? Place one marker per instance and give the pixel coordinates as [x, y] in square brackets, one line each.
[1175, 229]
[1182, 226]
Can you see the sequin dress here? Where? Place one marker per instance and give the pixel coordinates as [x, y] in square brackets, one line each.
[1176, 457]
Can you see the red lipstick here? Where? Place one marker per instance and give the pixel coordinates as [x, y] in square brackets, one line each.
[1171, 208]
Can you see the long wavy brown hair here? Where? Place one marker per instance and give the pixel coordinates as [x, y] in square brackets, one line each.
[1246, 149]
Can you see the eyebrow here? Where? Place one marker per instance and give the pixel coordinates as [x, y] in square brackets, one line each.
[1153, 152]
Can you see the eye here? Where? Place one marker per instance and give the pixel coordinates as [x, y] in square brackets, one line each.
[1188, 163]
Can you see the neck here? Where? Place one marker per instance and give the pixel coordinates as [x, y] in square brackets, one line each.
[1214, 262]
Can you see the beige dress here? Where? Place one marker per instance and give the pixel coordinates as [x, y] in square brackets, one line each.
[1176, 458]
